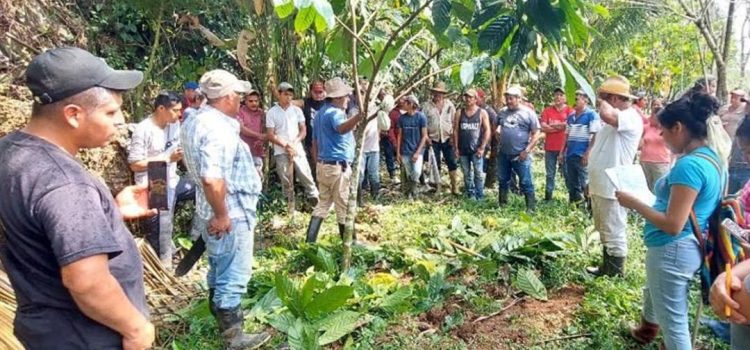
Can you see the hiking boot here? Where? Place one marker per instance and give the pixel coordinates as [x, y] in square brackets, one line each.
[502, 197]
[231, 325]
[530, 202]
[454, 181]
[645, 333]
[313, 229]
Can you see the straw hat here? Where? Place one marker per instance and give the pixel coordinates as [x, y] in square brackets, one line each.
[616, 85]
[471, 92]
[336, 88]
[514, 91]
[439, 87]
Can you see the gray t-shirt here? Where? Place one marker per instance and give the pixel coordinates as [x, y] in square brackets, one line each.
[516, 126]
[55, 213]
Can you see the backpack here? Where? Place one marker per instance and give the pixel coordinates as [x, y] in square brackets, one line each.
[718, 246]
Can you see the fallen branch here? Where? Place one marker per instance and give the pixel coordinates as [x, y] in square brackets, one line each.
[513, 303]
[435, 251]
[567, 337]
[466, 250]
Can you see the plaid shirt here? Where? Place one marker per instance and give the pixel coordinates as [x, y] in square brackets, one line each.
[213, 149]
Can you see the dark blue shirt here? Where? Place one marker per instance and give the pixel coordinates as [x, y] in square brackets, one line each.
[411, 132]
[332, 145]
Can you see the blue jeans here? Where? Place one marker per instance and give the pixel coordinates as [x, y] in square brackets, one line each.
[159, 227]
[412, 170]
[370, 168]
[737, 178]
[390, 155]
[473, 169]
[550, 166]
[507, 164]
[576, 177]
[230, 260]
[669, 270]
[446, 149]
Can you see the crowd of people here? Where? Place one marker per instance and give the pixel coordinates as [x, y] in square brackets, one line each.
[77, 273]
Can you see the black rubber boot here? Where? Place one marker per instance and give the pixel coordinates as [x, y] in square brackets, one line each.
[231, 325]
[375, 190]
[313, 229]
[602, 269]
[211, 305]
[360, 197]
[547, 196]
[530, 202]
[342, 230]
[616, 266]
[502, 197]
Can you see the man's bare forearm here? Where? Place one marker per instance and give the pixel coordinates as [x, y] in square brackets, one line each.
[216, 193]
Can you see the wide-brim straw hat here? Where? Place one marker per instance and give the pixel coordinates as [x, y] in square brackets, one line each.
[439, 87]
[336, 88]
[616, 85]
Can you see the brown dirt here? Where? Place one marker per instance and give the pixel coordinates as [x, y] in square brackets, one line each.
[523, 323]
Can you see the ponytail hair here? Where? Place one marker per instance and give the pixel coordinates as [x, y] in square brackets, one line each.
[692, 111]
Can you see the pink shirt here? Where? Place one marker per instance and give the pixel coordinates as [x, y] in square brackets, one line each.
[745, 200]
[654, 149]
[254, 122]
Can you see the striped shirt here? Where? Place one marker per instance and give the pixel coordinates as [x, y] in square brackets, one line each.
[213, 149]
[579, 130]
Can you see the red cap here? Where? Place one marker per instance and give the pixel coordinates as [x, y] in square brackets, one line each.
[480, 93]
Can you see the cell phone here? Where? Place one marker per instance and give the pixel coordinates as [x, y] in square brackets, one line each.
[157, 185]
[736, 230]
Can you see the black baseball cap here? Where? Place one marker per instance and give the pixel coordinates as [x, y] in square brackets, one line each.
[559, 89]
[60, 73]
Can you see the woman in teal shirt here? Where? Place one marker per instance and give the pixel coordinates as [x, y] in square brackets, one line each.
[673, 255]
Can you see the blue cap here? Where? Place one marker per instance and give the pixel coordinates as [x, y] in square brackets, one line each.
[191, 85]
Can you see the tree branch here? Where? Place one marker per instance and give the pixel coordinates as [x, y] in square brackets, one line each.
[420, 81]
[358, 38]
[371, 19]
[389, 43]
[420, 69]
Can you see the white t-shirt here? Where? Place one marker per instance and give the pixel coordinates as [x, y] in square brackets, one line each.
[150, 140]
[614, 147]
[372, 137]
[286, 126]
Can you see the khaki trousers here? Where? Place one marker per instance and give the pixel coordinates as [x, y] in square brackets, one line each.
[333, 183]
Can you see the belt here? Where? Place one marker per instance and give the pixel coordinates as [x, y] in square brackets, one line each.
[334, 162]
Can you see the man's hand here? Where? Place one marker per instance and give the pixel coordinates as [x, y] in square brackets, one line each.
[585, 159]
[415, 157]
[560, 126]
[398, 158]
[132, 202]
[523, 155]
[219, 225]
[176, 156]
[561, 157]
[719, 298]
[141, 340]
[290, 150]
[480, 152]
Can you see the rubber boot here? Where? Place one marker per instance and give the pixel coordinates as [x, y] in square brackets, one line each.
[360, 197]
[603, 269]
[502, 197]
[530, 202]
[375, 190]
[616, 266]
[454, 181]
[645, 333]
[211, 305]
[313, 229]
[342, 230]
[547, 196]
[231, 326]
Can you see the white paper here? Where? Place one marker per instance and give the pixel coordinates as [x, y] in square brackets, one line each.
[631, 179]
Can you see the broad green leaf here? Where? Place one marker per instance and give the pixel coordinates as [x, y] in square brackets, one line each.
[283, 321]
[577, 28]
[283, 8]
[304, 19]
[463, 12]
[382, 281]
[312, 284]
[337, 325]
[579, 79]
[325, 19]
[303, 336]
[467, 72]
[328, 301]
[397, 301]
[289, 294]
[529, 283]
[339, 51]
[492, 38]
[265, 306]
[441, 15]
[487, 13]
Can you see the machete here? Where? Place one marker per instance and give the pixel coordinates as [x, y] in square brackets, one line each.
[199, 246]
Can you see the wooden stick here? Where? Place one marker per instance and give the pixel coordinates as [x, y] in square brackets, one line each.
[567, 337]
[466, 250]
[513, 303]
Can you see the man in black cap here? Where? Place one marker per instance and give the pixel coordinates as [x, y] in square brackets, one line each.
[73, 264]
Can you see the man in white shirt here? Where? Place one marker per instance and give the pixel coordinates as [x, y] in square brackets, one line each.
[440, 113]
[616, 144]
[157, 138]
[285, 125]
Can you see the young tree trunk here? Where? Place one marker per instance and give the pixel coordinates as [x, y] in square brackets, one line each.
[721, 69]
[140, 106]
[744, 53]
